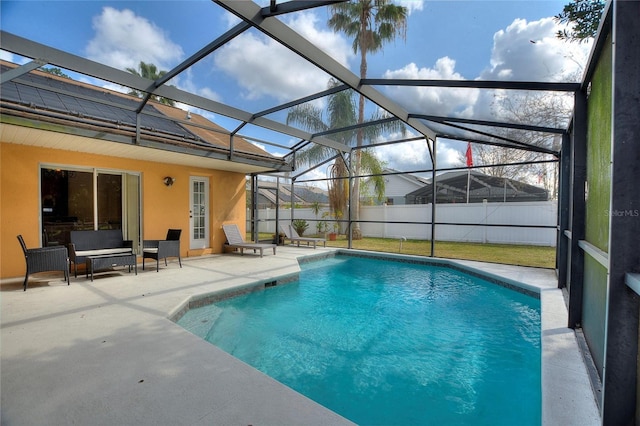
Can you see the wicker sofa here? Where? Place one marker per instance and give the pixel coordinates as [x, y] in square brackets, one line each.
[96, 243]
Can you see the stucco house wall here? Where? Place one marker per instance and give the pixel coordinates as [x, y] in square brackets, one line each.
[162, 206]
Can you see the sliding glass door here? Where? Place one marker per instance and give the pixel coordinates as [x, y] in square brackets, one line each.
[81, 199]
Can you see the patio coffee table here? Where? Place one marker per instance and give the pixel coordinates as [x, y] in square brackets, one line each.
[103, 261]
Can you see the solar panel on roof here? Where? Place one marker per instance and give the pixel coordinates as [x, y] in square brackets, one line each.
[68, 103]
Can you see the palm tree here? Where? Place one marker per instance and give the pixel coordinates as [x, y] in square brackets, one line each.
[341, 113]
[371, 23]
[151, 72]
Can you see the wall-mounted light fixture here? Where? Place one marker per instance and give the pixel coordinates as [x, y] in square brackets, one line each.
[169, 180]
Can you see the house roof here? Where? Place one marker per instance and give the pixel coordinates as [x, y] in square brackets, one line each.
[407, 176]
[85, 113]
[301, 194]
[452, 188]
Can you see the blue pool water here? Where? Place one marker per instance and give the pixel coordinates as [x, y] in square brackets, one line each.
[390, 343]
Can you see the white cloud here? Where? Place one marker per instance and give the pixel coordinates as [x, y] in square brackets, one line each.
[123, 39]
[6, 56]
[109, 86]
[530, 51]
[431, 100]
[264, 68]
[283, 75]
[414, 155]
[447, 155]
[186, 82]
[523, 51]
[411, 5]
[330, 42]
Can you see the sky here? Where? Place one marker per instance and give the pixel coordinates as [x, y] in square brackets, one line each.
[486, 40]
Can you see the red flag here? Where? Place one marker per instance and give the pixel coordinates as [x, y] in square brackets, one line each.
[469, 155]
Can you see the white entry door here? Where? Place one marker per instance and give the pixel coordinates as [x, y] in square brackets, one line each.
[199, 213]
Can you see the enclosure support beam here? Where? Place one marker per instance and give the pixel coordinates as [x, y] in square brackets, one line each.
[433, 199]
[21, 70]
[284, 35]
[254, 207]
[349, 202]
[59, 58]
[620, 373]
[564, 207]
[277, 230]
[577, 208]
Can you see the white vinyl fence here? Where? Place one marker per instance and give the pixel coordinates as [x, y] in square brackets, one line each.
[476, 215]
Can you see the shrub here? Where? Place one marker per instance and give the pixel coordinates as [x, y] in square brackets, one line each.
[300, 225]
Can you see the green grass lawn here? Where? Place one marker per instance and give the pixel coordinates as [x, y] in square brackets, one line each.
[538, 256]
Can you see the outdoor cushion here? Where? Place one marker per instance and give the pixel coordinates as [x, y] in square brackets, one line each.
[161, 249]
[99, 252]
[95, 243]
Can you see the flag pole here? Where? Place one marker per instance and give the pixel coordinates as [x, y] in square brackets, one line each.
[468, 182]
[469, 158]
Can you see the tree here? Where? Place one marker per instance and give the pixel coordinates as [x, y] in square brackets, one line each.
[535, 109]
[371, 23]
[55, 71]
[584, 15]
[341, 113]
[149, 71]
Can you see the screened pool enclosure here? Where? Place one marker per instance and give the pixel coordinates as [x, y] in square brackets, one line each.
[535, 142]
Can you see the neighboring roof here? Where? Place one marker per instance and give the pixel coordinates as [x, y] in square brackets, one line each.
[301, 195]
[452, 188]
[407, 176]
[78, 108]
[312, 194]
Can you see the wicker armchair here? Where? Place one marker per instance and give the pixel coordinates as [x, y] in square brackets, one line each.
[45, 259]
[161, 249]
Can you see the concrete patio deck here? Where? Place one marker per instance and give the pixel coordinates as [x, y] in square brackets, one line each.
[105, 353]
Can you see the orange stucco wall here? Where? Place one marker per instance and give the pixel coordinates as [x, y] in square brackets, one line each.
[162, 207]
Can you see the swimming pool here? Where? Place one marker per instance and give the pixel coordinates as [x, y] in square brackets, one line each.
[390, 343]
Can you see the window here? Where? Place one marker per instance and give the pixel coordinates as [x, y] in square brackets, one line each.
[86, 200]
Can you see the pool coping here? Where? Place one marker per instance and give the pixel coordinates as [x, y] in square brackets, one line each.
[567, 395]
[104, 352]
[207, 298]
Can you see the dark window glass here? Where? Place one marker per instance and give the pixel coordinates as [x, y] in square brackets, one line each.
[109, 201]
[67, 203]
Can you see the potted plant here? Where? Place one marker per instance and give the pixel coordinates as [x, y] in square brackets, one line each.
[279, 238]
[336, 225]
[333, 235]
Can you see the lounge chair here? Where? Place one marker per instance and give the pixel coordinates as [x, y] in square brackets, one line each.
[161, 249]
[43, 259]
[293, 236]
[235, 241]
